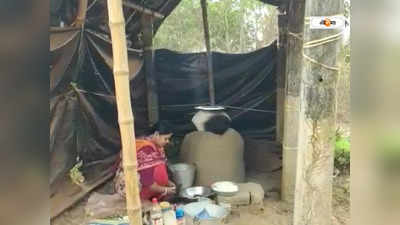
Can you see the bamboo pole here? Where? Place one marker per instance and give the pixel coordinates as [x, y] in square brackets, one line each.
[125, 115]
[280, 96]
[151, 82]
[81, 15]
[143, 10]
[211, 88]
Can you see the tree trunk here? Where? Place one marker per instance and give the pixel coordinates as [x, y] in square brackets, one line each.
[313, 200]
[226, 26]
[241, 35]
[125, 115]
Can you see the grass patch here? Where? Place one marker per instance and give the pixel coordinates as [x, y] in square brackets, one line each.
[342, 153]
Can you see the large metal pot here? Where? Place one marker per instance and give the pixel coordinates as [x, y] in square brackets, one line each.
[183, 175]
[196, 192]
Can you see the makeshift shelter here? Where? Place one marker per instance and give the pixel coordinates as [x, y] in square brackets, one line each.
[84, 118]
[82, 103]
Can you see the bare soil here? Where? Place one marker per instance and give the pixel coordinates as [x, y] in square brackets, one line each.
[275, 212]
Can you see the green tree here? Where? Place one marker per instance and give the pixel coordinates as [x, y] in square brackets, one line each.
[235, 26]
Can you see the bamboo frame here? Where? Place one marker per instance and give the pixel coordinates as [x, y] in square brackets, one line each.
[211, 87]
[81, 15]
[125, 115]
[280, 96]
[143, 10]
[292, 100]
[148, 57]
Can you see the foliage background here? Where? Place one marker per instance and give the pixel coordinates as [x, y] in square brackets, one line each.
[236, 26]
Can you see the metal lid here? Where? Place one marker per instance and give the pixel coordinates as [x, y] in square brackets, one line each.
[165, 205]
[210, 108]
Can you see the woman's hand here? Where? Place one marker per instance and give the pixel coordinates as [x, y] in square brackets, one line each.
[171, 184]
[171, 190]
[168, 191]
[164, 190]
[171, 187]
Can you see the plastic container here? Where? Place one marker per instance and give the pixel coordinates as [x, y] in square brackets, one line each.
[205, 213]
[168, 214]
[180, 217]
[183, 175]
[226, 206]
[156, 217]
[164, 205]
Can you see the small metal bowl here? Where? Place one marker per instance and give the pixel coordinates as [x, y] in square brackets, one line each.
[196, 192]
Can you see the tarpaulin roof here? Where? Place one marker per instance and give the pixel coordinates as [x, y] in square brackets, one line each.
[82, 104]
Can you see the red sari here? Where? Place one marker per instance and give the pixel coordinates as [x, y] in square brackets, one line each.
[151, 168]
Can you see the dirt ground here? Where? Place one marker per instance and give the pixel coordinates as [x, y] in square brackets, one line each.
[275, 212]
[279, 213]
[341, 200]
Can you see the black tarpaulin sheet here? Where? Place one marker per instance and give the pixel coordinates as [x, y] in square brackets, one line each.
[244, 83]
[83, 109]
[62, 136]
[84, 118]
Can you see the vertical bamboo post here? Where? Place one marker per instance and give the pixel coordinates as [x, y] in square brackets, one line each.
[125, 115]
[313, 199]
[291, 123]
[81, 15]
[281, 73]
[151, 82]
[211, 87]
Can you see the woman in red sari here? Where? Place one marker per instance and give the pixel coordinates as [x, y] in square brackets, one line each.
[152, 167]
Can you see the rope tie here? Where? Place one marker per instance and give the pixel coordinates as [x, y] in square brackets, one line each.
[323, 41]
[316, 43]
[320, 64]
[296, 35]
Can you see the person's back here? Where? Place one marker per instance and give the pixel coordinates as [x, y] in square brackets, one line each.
[217, 153]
